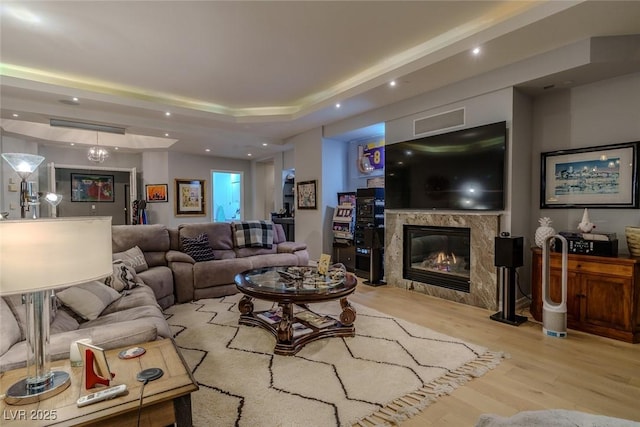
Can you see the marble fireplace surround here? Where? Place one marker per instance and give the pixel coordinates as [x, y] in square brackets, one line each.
[483, 274]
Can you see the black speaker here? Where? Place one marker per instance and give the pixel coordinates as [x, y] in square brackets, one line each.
[509, 252]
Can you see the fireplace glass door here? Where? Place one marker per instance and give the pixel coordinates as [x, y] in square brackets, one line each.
[438, 256]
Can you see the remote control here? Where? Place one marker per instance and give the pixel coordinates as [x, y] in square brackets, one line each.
[98, 396]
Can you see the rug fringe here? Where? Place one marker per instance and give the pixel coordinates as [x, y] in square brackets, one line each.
[400, 409]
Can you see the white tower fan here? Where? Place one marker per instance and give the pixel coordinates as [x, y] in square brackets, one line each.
[554, 314]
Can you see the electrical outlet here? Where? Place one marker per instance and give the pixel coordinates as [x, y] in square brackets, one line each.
[93, 207]
[13, 188]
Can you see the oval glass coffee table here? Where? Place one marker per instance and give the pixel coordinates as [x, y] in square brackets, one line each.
[293, 324]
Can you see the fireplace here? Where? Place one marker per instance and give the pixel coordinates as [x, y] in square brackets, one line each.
[438, 256]
[483, 226]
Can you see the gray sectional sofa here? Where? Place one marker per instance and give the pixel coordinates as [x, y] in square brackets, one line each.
[133, 318]
[214, 278]
[164, 274]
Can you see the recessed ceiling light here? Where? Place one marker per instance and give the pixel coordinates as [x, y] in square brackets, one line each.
[168, 113]
[207, 149]
[115, 148]
[249, 154]
[338, 105]
[73, 143]
[264, 144]
[476, 51]
[392, 83]
[75, 99]
[166, 134]
[15, 115]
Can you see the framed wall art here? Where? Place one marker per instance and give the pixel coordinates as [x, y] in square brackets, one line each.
[156, 193]
[91, 188]
[598, 177]
[190, 200]
[306, 192]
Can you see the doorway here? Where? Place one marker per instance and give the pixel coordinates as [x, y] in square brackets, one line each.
[227, 191]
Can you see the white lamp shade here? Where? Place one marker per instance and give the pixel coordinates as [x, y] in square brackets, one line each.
[53, 199]
[24, 164]
[43, 254]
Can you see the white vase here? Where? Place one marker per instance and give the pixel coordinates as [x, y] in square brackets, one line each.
[544, 231]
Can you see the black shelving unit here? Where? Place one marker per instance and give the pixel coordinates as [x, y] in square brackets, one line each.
[369, 235]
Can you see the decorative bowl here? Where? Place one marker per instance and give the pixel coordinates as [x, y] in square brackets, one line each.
[633, 239]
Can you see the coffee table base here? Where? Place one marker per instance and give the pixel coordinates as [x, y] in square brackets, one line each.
[286, 343]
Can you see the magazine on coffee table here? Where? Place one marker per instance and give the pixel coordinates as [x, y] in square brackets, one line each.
[270, 317]
[300, 329]
[316, 320]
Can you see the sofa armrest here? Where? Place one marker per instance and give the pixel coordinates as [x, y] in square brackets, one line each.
[177, 256]
[291, 247]
[182, 265]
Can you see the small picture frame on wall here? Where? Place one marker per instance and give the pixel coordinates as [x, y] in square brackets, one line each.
[594, 177]
[155, 193]
[306, 194]
[190, 197]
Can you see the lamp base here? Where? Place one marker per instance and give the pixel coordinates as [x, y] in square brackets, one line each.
[20, 394]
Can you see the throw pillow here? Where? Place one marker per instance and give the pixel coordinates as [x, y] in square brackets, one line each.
[253, 234]
[124, 278]
[133, 258]
[89, 299]
[198, 247]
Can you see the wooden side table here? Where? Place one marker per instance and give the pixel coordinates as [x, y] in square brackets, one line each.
[166, 400]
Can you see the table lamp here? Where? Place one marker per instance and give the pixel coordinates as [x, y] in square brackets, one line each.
[24, 165]
[37, 256]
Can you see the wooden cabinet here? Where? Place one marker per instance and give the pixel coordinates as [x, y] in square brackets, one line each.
[603, 293]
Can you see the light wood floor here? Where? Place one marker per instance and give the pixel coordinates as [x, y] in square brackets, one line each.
[581, 372]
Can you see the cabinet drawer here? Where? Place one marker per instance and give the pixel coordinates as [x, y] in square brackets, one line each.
[594, 267]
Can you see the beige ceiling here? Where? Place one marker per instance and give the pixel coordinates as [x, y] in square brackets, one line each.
[238, 74]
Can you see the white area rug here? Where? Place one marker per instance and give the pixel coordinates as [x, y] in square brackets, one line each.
[389, 371]
[553, 418]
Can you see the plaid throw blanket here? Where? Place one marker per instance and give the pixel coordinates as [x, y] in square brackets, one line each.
[253, 234]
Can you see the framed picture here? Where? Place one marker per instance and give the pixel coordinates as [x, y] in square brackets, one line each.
[156, 193]
[190, 197]
[598, 177]
[306, 192]
[91, 188]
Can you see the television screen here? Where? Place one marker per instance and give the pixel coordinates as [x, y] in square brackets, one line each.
[461, 170]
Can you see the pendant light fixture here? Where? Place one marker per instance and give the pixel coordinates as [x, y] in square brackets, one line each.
[96, 153]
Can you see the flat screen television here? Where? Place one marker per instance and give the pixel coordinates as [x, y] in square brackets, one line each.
[460, 170]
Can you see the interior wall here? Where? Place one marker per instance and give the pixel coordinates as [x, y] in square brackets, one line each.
[9, 199]
[334, 173]
[155, 170]
[519, 177]
[600, 113]
[188, 166]
[308, 222]
[117, 209]
[264, 201]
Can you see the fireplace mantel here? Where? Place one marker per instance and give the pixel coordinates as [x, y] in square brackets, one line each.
[483, 275]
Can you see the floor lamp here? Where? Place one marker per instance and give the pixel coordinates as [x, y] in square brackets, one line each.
[38, 256]
[24, 165]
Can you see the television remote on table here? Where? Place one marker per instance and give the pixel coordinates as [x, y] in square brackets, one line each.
[98, 396]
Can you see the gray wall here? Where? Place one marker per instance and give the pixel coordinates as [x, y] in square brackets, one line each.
[601, 113]
[309, 222]
[116, 209]
[10, 200]
[187, 166]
